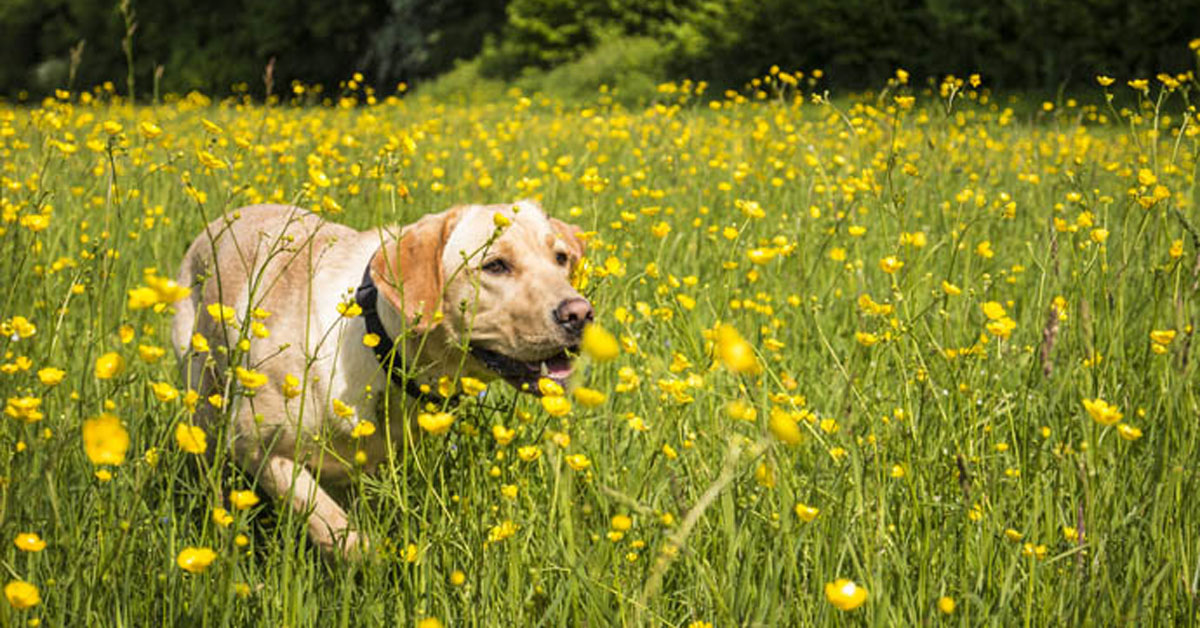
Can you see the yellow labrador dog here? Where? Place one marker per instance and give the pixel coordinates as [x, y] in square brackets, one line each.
[453, 294]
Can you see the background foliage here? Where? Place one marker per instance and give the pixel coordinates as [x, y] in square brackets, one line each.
[215, 45]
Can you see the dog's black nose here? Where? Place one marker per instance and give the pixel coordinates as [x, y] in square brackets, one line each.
[574, 314]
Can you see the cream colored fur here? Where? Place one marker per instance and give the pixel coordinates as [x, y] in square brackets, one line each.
[299, 268]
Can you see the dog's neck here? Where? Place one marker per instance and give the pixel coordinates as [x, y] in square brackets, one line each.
[391, 355]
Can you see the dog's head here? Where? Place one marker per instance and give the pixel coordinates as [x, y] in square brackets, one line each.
[504, 292]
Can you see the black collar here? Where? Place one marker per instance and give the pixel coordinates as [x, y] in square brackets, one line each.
[367, 297]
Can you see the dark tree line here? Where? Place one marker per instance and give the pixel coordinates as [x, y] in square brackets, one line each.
[217, 44]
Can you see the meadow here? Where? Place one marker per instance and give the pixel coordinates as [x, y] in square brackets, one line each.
[930, 339]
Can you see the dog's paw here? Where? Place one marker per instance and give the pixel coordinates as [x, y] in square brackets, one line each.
[354, 547]
[349, 546]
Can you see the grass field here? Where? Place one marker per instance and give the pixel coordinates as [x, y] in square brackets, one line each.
[972, 388]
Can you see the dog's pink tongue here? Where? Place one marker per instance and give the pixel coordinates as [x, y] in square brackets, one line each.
[558, 367]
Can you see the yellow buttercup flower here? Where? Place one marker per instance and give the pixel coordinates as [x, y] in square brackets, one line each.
[291, 386]
[167, 291]
[993, 310]
[472, 387]
[51, 376]
[845, 594]
[109, 365]
[529, 453]
[362, 429]
[806, 513]
[1162, 337]
[195, 559]
[221, 517]
[164, 391]
[866, 339]
[150, 354]
[319, 178]
[890, 264]
[1002, 327]
[190, 399]
[243, 500]
[209, 160]
[29, 542]
[503, 435]
[211, 127]
[222, 314]
[762, 256]
[735, 353]
[250, 378]
[578, 462]
[150, 130]
[191, 438]
[599, 344]
[740, 410]
[504, 530]
[21, 327]
[549, 387]
[1102, 412]
[784, 427]
[342, 409]
[588, 397]
[1128, 432]
[24, 409]
[22, 595]
[764, 474]
[105, 440]
[435, 423]
[141, 298]
[556, 406]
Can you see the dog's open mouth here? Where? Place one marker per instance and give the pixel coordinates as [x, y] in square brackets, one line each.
[524, 375]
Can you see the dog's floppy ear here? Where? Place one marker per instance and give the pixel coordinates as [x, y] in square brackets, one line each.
[410, 275]
[570, 235]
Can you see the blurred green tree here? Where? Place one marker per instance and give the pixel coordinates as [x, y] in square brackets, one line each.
[212, 46]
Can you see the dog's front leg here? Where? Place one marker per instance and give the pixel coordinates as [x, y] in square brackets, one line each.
[328, 525]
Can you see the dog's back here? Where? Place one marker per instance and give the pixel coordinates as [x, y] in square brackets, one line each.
[254, 257]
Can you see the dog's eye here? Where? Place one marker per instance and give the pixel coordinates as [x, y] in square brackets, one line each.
[561, 258]
[496, 267]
